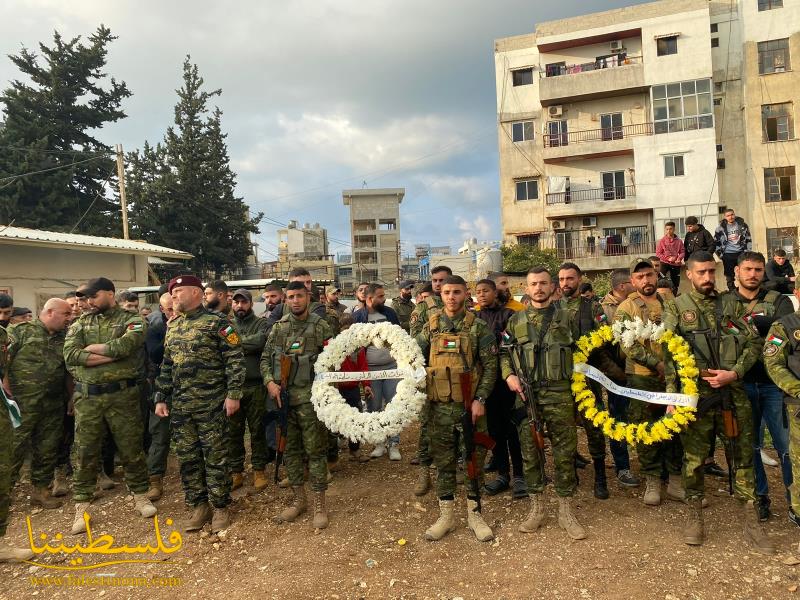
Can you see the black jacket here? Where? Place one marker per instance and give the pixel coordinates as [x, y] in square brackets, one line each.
[778, 274]
[700, 240]
[496, 318]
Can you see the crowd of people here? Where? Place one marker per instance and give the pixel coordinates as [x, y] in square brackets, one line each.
[99, 380]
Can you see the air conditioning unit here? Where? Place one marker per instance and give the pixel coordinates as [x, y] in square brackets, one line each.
[589, 222]
[616, 46]
[556, 110]
[558, 224]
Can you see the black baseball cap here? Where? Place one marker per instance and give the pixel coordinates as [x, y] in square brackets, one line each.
[406, 283]
[243, 293]
[98, 284]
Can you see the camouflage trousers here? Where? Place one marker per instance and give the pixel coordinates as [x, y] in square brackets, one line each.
[594, 435]
[445, 430]
[698, 443]
[557, 411]
[794, 455]
[201, 445]
[252, 413]
[120, 411]
[40, 432]
[653, 458]
[306, 437]
[424, 444]
[6, 453]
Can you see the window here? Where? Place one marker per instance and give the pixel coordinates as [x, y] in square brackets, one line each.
[769, 4]
[611, 124]
[719, 147]
[715, 42]
[522, 131]
[720, 163]
[773, 56]
[555, 69]
[557, 133]
[782, 237]
[667, 45]
[776, 122]
[365, 241]
[714, 27]
[345, 271]
[522, 77]
[719, 87]
[673, 165]
[387, 224]
[682, 106]
[613, 185]
[531, 239]
[779, 184]
[528, 189]
[364, 224]
[717, 101]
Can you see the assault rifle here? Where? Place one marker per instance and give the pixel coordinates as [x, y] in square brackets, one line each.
[472, 437]
[281, 414]
[534, 418]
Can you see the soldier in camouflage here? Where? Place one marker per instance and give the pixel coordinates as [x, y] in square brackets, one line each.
[101, 352]
[38, 380]
[300, 335]
[403, 305]
[199, 388]
[543, 334]
[708, 321]
[456, 341]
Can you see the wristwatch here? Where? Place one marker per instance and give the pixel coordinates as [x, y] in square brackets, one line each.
[480, 400]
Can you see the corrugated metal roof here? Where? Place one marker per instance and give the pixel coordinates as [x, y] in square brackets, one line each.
[39, 237]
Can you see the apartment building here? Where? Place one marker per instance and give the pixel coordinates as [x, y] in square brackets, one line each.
[611, 124]
[307, 242]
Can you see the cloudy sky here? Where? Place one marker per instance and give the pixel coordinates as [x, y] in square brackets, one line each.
[320, 95]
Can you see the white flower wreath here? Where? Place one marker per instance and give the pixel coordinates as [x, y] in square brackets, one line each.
[627, 332]
[331, 407]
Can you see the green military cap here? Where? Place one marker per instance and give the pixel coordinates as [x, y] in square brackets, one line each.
[640, 263]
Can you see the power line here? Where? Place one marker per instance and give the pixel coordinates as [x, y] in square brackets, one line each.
[45, 151]
[12, 178]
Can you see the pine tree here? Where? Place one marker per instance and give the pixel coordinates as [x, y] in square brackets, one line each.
[50, 125]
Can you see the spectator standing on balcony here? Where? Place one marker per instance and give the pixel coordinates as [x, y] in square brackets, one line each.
[698, 238]
[732, 237]
[780, 273]
[670, 252]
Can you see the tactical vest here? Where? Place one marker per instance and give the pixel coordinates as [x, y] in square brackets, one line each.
[433, 307]
[692, 323]
[301, 346]
[791, 323]
[451, 353]
[631, 366]
[549, 362]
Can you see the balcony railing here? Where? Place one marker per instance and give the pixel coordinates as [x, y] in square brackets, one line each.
[570, 245]
[605, 134]
[607, 62]
[604, 193]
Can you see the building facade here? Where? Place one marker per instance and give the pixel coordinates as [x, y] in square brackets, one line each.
[307, 242]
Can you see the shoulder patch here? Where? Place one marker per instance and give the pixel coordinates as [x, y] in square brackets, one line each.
[770, 350]
[689, 316]
[229, 333]
[796, 334]
[135, 327]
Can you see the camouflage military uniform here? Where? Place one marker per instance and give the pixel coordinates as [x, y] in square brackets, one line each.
[403, 308]
[550, 379]
[203, 364]
[107, 394]
[640, 367]
[738, 351]
[449, 343]
[38, 379]
[253, 408]
[6, 445]
[419, 316]
[302, 340]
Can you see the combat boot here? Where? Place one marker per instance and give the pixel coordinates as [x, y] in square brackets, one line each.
[483, 533]
[41, 497]
[105, 482]
[144, 506]
[444, 524]
[652, 490]
[10, 554]
[237, 479]
[221, 520]
[320, 512]
[693, 532]
[284, 483]
[567, 520]
[60, 487]
[423, 481]
[79, 524]
[535, 517]
[600, 482]
[200, 516]
[754, 533]
[298, 507]
[260, 479]
[675, 490]
[156, 488]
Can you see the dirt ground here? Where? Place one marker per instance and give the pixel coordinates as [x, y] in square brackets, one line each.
[374, 547]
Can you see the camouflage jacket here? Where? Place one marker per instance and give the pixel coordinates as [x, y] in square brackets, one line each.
[36, 360]
[252, 332]
[121, 331]
[3, 348]
[403, 308]
[203, 360]
[586, 316]
[641, 358]
[782, 359]
[422, 313]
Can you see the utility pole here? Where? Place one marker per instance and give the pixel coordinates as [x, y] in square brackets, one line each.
[122, 200]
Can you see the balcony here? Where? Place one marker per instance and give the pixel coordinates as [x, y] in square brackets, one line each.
[593, 143]
[609, 76]
[592, 200]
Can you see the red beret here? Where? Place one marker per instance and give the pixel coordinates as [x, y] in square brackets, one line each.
[184, 280]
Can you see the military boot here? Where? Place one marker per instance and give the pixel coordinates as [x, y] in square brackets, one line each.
[79, 525]
[105, 482]
[41, 497]
[10, 554]
[221, 520]
[423, 481]
[156, 488]
[652, 490]
[200, 516]
[297, 508]
[260, 479]
[567, 520]
[600, 482]
[445, 523]
[675, 489]
[284, 483]
[693, 532]
[237, 479]
[535, 517]
[754, 533]
[320, 512]
[483, 533]
[144, 506]
[60, 487]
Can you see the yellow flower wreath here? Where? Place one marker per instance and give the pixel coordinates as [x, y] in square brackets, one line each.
[648, 433]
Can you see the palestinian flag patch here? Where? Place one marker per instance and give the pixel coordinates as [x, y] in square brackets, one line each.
[449, 344]
[731, 328]
[135, 327]
[230, 335]
[295, 346]
[601, 318]
[775, 340]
